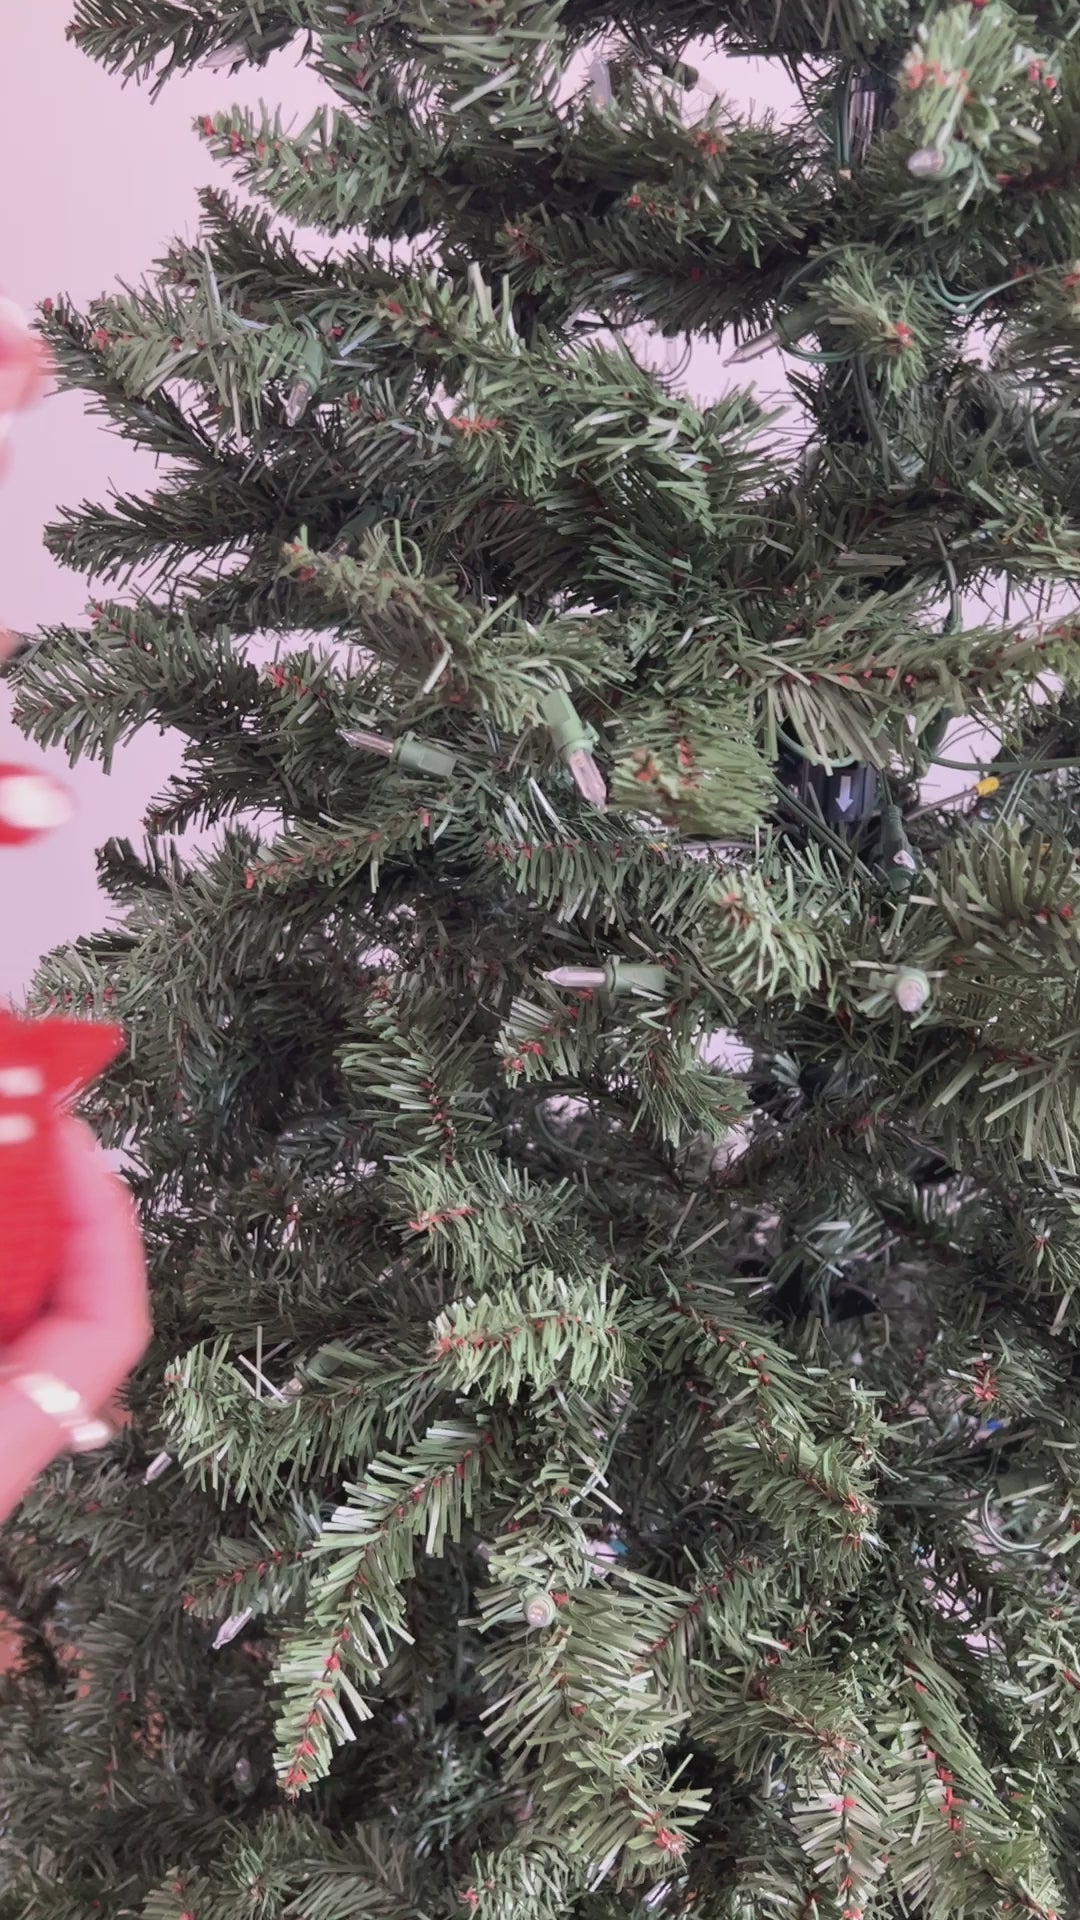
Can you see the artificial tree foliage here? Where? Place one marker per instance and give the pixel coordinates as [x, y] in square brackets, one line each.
[606, 1134]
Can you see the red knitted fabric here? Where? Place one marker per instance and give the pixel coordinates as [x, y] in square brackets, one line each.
[42, 1063]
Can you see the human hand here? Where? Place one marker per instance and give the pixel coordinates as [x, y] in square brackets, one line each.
[24, 361]
[97, 1324]
[38, 802]
[24, 372]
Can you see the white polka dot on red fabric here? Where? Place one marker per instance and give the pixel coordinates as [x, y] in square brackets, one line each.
[15, 1128]
[33, 801]
[20, 1083]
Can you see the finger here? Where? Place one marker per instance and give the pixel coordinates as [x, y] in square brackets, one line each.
[97, 1325]
[29, 1440]
[25, 363]
[25, 367]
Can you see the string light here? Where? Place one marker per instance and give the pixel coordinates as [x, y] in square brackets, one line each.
[615, 976]
[911, 989]
[231, 1628]
[297, 403]
[575, 741]
[926, 163]
[225, 57]
[415, 756]
[753, 349]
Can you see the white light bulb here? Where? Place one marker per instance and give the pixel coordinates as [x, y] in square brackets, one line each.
[753, 349]
[587, 778]
[579, 977]
[371, 742]
[225, 57]
[911, 989]
[297, 403]
[926, 162]
[231, 1628]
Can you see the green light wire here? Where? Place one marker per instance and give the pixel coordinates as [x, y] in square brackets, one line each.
[998, 769]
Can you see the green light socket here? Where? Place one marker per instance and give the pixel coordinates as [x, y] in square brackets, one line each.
[635, 976]
[422, 756]
[568, 730]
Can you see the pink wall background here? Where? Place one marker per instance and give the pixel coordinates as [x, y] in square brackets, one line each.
[114, 180]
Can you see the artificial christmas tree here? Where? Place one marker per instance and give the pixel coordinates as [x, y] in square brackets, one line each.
[606, 1142]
